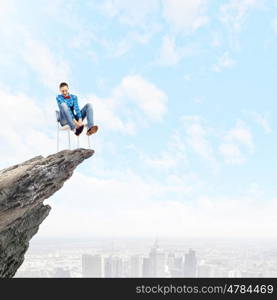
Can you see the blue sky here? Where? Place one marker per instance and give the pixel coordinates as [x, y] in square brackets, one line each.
[184, 93]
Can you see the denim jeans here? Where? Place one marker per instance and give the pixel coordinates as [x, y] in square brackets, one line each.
[66, 118]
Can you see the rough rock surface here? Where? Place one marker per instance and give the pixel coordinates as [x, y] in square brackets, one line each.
[23, 188]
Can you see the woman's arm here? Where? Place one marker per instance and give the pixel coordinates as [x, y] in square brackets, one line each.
[76, 108]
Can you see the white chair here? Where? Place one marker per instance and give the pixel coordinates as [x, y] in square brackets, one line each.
[66, 128]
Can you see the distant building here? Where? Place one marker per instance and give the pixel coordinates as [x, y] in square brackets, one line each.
[220, 272]
[146, 272]
[136, 266]
[175, 265]
[171, 261]
[108, 267]
[204, 271]
[157, 261]
[61, 273]
[92, 265]
[250, 274]
[126, 267]
[113, 267]
[179, 262]
[190, 264]
[234, 273]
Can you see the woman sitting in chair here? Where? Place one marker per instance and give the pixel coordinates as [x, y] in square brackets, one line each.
[71, 114]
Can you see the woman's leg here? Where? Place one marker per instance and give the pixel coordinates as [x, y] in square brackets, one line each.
[87, 112]
[66, 116]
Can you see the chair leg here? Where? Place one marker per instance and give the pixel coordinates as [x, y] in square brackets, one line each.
[69, 144]
[89, 142]
[58, 137]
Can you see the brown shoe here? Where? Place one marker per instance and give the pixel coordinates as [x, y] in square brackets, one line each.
[92, 130]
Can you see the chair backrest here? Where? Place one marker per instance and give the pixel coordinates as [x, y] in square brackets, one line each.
[58, 116]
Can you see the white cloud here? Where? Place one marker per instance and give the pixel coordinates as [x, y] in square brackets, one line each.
[129, 12]
[106, 116]
[187, 77]
[242, 135]
[26, 128]
[255, 191]
[236, 143]
[169, 54]
[174, 156]
[235, 12]
[231, 153]
[197, 138]
[182, 16]
[123, 44]
[262, 120]
[131, 105]
[23, 48]
[274, 25]
[198, 100]
[130, 208]
[224, 61]
[216, 40]
[50, 69]
[6, 9]
[151, 100]
[165, 160]
[185, 16]
[138, 18]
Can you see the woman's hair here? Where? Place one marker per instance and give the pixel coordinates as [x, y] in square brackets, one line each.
[63, 84]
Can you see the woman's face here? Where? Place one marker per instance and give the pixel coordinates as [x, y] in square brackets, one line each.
[64, 90]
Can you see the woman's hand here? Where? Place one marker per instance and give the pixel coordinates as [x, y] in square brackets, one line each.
[78, 123]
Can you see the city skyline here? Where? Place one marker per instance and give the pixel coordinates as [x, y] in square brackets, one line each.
[140, 258]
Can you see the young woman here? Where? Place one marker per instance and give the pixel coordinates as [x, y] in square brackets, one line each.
[71, 114]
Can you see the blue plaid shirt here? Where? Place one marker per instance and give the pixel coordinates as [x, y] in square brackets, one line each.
[72, 104]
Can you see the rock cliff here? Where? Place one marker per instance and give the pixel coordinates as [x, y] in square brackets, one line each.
[23, 188]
